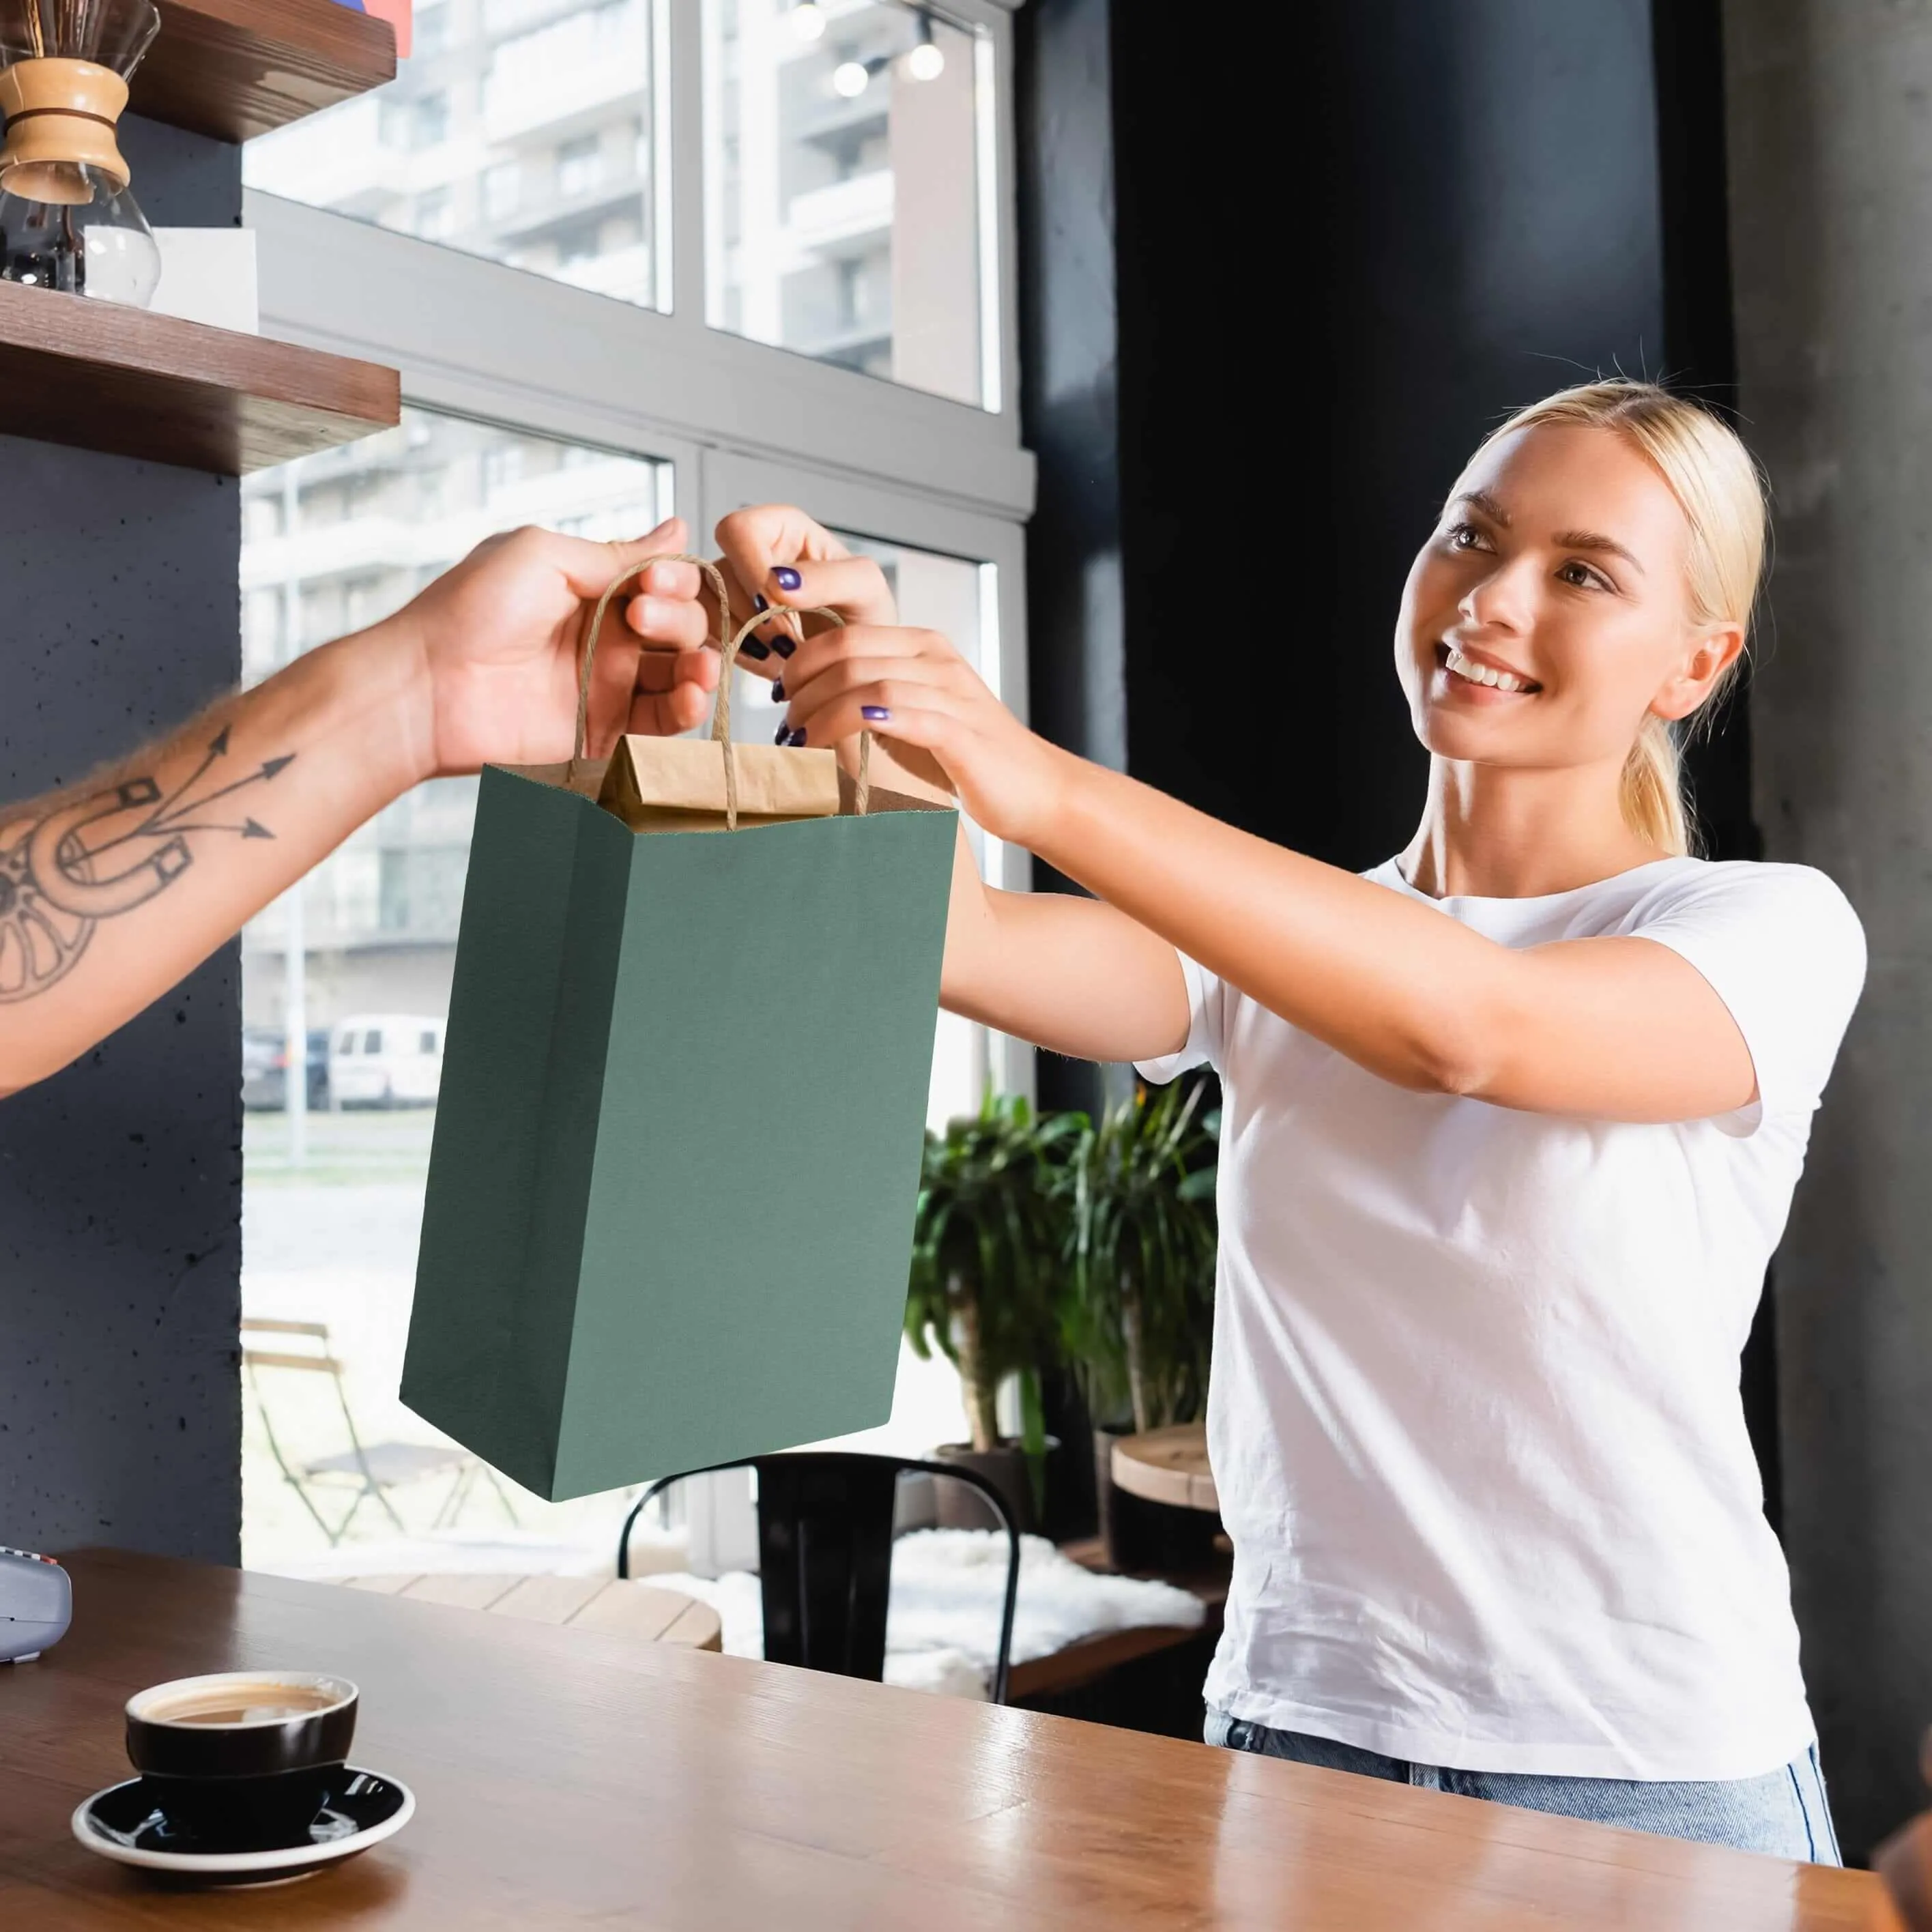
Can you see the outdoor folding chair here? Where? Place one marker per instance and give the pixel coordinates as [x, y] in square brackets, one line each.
[374, 1468]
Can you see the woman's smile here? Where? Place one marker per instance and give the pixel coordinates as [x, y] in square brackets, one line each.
[1477, 678]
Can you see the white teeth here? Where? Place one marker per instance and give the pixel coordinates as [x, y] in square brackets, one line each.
[1480, 673]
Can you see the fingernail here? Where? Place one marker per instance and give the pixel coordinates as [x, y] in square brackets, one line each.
[876, 713]
[784, 646]
[778, 691]
[751, 648]
[758, 603]
[785, 732]
[798, 737]
[788, 579]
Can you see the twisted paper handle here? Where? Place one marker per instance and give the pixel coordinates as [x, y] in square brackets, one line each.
[720, 721]
[728, 652]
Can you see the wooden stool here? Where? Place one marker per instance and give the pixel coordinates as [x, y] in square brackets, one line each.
[617, 1608]
[1168, 1465]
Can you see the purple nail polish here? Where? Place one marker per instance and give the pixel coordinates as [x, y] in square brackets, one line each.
[778, 691]
[751, 648]
[783, 645]
[876, 714]
[758, 603]
[785, 732]
[788, 579]
[798, 737]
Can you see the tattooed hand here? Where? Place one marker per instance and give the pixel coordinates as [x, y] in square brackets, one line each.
[114, 887]
[497, 638]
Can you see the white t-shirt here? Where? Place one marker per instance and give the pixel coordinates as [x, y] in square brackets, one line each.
[1474, 1418]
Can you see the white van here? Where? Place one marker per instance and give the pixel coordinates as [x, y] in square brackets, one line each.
[386, 1059]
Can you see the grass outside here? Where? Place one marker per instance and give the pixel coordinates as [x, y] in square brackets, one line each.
[344, 1149]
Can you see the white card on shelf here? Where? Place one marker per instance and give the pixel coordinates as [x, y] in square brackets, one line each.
[207, 275]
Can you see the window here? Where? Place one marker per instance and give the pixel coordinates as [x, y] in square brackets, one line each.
[411, 122]
[457, 148]
[579, 165]
[502, 190]
[574, 353]
[435, 214]
[843, 188]
[332, 1194]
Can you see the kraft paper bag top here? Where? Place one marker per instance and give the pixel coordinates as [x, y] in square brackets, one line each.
[677, 1153]
[678, 785]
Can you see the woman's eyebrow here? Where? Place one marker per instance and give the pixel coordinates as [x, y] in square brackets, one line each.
[1482, 500]
[1590, 540]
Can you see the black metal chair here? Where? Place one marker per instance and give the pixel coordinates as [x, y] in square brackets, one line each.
[825, 1555]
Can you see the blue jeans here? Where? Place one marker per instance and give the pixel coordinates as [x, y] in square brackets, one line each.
[1784, 1812]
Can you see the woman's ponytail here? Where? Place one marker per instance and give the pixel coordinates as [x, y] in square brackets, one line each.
[1651, 791]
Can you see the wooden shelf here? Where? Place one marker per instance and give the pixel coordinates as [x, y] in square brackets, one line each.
[98, 375]
[234, 68]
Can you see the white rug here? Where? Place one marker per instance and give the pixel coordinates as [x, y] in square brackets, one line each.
[943, 1623]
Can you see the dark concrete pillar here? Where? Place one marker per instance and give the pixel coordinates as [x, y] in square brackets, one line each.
[1830, 170]
[120, 1179]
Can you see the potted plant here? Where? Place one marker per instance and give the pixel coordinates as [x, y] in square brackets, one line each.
[989, 1247]
[1139, 1319]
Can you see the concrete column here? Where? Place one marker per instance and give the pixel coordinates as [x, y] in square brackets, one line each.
[1830, 171]
[121, 1177]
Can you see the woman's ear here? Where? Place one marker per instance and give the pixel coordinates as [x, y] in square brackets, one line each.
[1712, 651]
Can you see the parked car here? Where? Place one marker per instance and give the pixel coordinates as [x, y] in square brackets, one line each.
[265, 1068]
[386, 1060]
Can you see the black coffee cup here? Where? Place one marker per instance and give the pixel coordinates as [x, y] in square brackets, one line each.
[245, 1758]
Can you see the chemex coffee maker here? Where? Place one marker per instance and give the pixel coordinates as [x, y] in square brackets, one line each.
[67, 219]
[36, 1604]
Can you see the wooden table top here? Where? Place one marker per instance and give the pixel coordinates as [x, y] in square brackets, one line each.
[1168, 1465]
[568, 1778]
[611, 1604]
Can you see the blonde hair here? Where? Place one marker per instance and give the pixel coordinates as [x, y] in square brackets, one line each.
[1717, 486]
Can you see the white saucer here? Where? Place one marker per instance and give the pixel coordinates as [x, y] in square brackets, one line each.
[124, 1824]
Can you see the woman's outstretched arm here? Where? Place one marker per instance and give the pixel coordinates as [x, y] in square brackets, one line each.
[1610, 1029]
[1075, 976]
[112, 890]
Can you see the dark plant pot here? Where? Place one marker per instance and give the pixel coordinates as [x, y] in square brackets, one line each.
[1147, 1538]
[959, 1507]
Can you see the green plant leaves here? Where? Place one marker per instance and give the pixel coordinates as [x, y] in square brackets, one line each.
[990, 1241]
[1140, 1316]
[1044, 1239]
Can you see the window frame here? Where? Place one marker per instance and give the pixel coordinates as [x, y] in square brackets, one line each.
[645, 381]
[736, 420]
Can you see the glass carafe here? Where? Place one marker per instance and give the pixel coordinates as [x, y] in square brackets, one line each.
[66, 218]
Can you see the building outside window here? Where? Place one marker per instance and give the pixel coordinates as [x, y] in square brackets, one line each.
[791, 287]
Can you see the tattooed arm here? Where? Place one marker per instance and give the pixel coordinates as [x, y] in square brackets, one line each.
[112, 890]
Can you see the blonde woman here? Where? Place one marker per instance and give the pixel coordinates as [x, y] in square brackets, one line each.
[1512, 1125]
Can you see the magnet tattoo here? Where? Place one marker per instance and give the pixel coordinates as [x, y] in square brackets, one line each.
[105, 853]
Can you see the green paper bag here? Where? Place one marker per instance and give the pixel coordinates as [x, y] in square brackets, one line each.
[677, 1146]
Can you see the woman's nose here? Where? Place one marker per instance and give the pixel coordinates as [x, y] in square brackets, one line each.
[1500, 597]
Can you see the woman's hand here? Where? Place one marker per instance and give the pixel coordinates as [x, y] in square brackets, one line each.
[916, 692]
[774, 555]
[934, 716]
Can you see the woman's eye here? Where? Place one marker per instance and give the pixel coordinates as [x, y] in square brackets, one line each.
[1462, 536]
[1581, 577]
